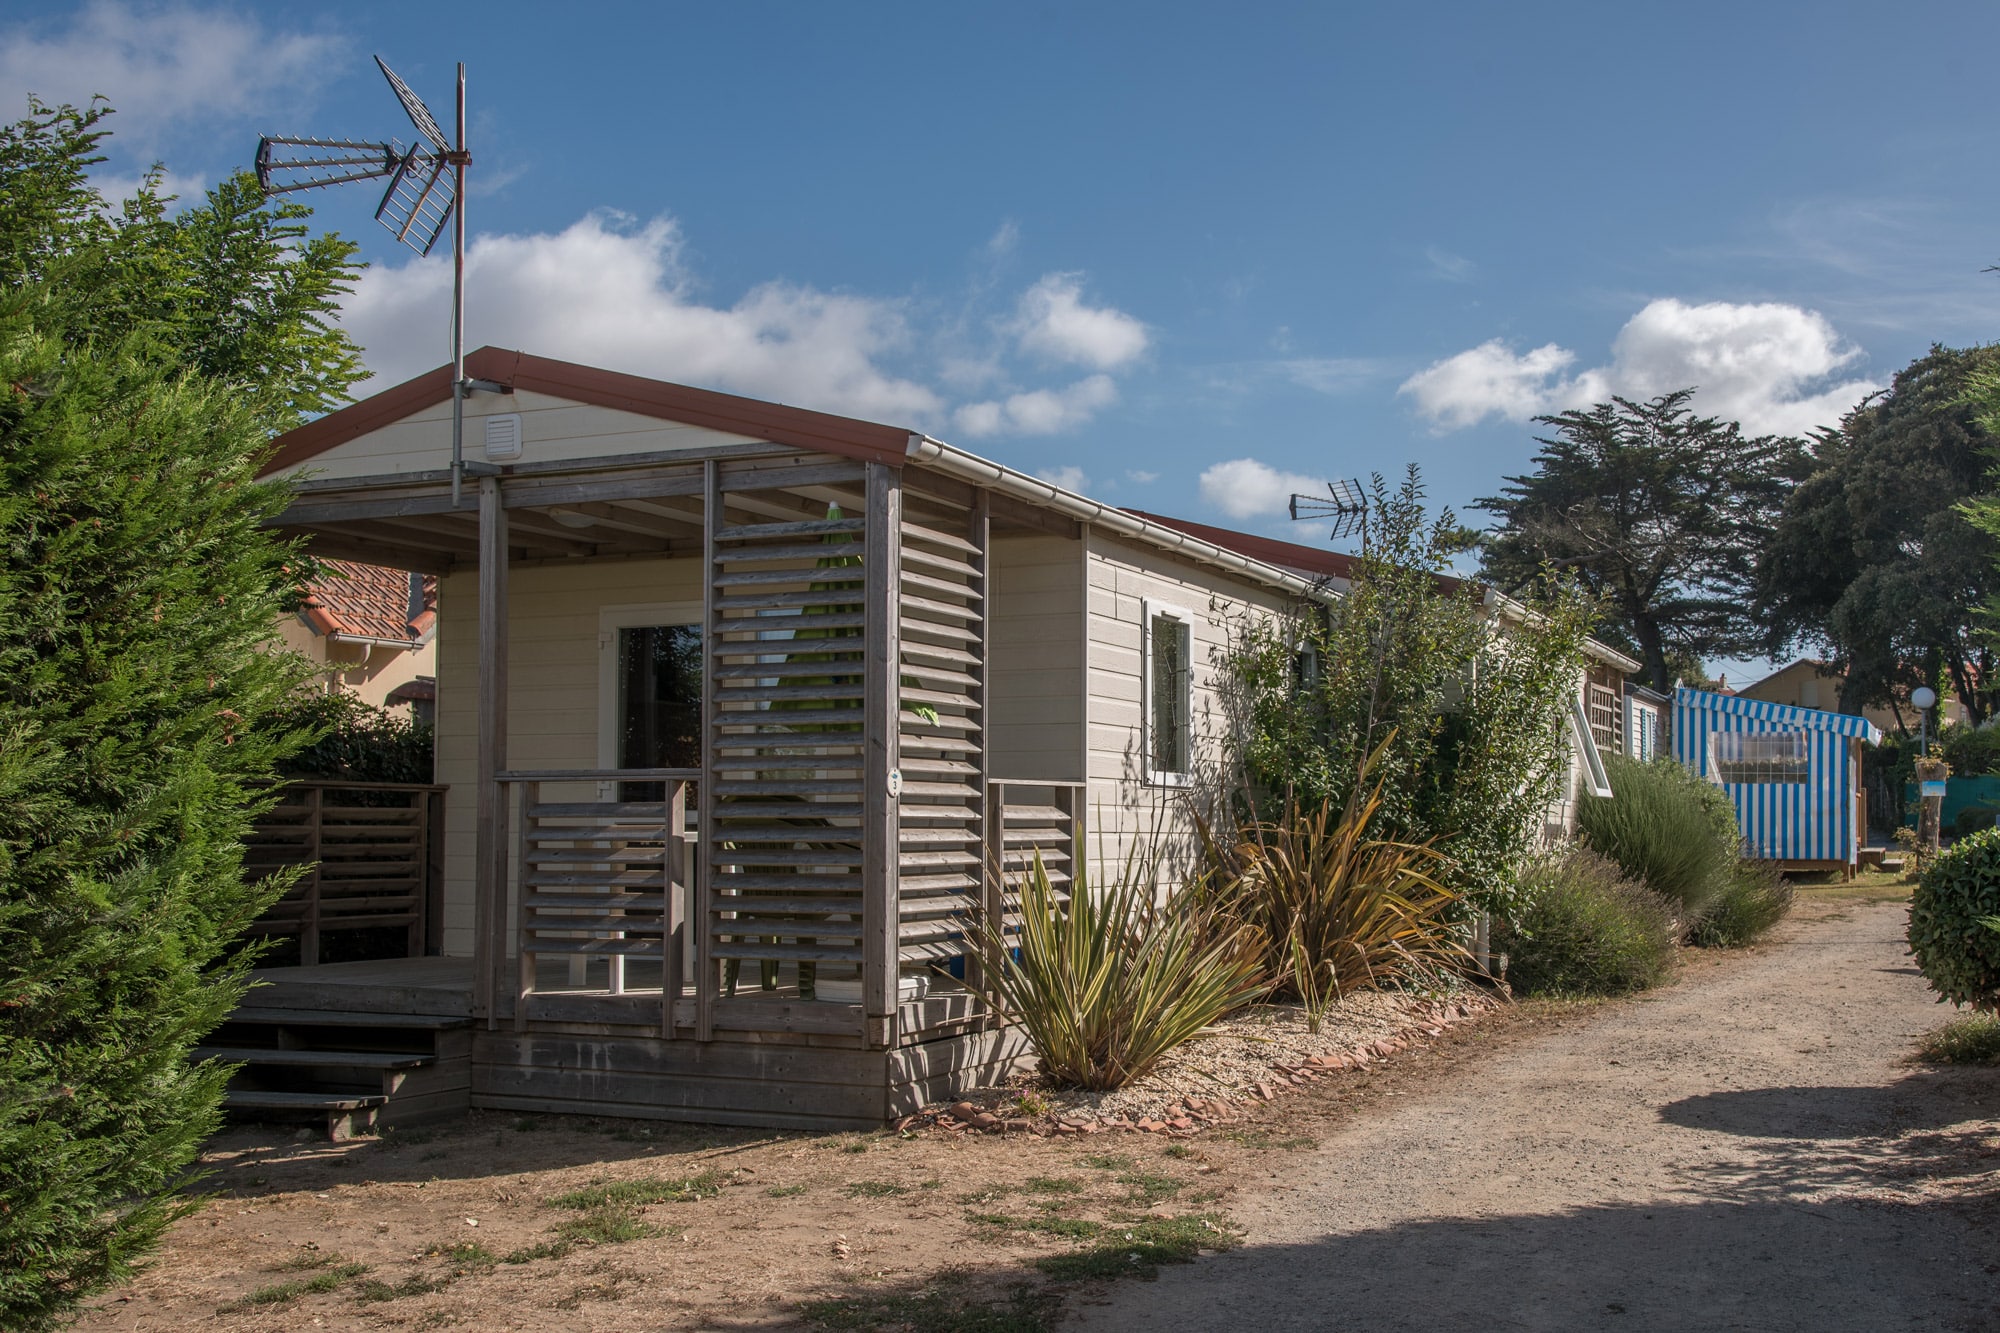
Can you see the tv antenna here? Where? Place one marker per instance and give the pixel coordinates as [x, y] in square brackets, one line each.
[426, 191]
[1344, 503]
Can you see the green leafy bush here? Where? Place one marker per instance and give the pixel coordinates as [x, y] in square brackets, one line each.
[1958, 890]
[1753, 899]
[1107, 982]
[1666, 827]
[347, 741]
[1583, 927]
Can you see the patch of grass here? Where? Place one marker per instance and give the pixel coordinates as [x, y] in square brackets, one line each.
[548, 1249]
[1107, 1161]
[636, 1193]
[372, 1291]
[466, 1254]
[785, 1191]
[873, 1189]
[855, 1147]
[610, 1225]
[305, 1260]
[1263, 1140]
[1150, 1186]
[1139, 1249]
[284, 1293]
[1070, 1228]
[1971, 1040]
[944, 1306]
[1179, 1150]
[932, 1184]
[1053, 1185]
[1755, 898]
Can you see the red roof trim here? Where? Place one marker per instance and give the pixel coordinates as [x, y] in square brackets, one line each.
[796, 426]
[1286, 555]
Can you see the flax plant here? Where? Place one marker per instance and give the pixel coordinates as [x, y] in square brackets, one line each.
[1334, 910]
[1106, 981]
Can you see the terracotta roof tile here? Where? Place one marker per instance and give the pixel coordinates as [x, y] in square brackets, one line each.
[369, 602]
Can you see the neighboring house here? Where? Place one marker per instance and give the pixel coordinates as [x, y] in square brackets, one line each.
[1793, 774]
[1807, 683]
[739, 703]
[1647, 712]
[374, 630]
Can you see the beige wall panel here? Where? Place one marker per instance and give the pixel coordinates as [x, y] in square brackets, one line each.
[1034, 658]
[551, 429]
[552, 707]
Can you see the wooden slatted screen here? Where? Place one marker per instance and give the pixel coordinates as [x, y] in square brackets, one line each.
[785, 637]
[941, 612]
[368, 852]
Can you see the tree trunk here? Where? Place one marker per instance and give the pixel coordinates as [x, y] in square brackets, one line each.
[1652, 652]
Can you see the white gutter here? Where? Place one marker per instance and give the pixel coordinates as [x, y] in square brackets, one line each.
[980, 472]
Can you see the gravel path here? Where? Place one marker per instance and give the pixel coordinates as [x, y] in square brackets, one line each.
[1748, 1149]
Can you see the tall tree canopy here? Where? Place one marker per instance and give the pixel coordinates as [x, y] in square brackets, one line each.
[1874, 563]
[145, 360]
[1657, 512]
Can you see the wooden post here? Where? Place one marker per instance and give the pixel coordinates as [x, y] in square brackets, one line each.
[673, 924]
[881, 917]
[705, 979]
[309, 931]
[489, 833]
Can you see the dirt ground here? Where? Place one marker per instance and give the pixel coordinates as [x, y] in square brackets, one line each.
[1743, 1149]
[1751, 1148]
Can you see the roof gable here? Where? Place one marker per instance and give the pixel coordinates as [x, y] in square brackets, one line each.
[656, 399]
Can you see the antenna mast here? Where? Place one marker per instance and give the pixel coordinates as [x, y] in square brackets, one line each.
[1345, 503]
[419, 200]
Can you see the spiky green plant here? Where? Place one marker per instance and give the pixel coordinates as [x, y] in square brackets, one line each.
[1108, 981]
[1333, 909]
[1667, 827]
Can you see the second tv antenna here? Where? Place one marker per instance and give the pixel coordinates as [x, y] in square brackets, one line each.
[1345, 503]
[426, 191]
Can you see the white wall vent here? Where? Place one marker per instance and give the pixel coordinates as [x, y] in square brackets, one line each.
[503, 437]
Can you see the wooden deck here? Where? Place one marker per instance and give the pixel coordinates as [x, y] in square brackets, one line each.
[439, 987]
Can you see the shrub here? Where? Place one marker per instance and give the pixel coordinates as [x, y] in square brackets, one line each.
[1666, 827]
[1958, 889]
[1753, 899]
[1583, 927]
[1111, 980]
[1333, 910]
[1971, 1039]
[351, 742]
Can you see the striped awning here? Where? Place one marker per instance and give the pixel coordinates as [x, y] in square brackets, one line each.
[1789, 715]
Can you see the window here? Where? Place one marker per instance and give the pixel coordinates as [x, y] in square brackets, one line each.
[1758, 756]
[1590, 760]
[1169, 686]
[1645, 731]
[650, 693]
[1603, 717]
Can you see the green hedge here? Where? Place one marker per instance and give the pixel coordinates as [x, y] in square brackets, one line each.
[1956, 894]
[1582, 927]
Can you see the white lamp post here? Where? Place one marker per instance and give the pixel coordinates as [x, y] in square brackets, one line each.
[1930, 775]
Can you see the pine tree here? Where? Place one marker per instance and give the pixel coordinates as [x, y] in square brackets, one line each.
[138, 597]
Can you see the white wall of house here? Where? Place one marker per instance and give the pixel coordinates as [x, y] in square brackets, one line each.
[368, 672]
[1125, 806]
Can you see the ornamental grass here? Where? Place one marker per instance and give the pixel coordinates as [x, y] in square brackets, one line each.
[1107, 980]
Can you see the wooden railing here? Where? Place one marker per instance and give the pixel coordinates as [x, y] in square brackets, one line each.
[374, 858]
[602, 888]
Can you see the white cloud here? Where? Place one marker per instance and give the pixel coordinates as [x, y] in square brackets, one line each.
[1448, 266]
[615, 295]
[1070, 478]
[159, 63]
[185, 191]
[1005, 239]
[1766, 365]
[1038, 411]
[1331, 374]
[1244, 488]
[1142, 477]
[1054, 323]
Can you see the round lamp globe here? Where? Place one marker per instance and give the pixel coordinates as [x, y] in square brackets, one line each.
[1923, 696]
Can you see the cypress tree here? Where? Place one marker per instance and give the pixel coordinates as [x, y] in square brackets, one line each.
[138, 599]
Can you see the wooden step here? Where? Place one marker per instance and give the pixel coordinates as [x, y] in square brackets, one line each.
[262, 1055]
[344, 1018]
[251, 1100]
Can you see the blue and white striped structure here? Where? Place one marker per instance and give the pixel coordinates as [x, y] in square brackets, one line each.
[1798, 801]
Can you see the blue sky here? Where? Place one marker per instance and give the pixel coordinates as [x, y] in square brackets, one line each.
[1178, 255]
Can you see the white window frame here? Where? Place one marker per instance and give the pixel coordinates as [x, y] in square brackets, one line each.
[610, 620]
[1149, 611]
[1595, 779]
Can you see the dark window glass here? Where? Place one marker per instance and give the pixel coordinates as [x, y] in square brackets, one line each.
[659, 703]
[1173, 656]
